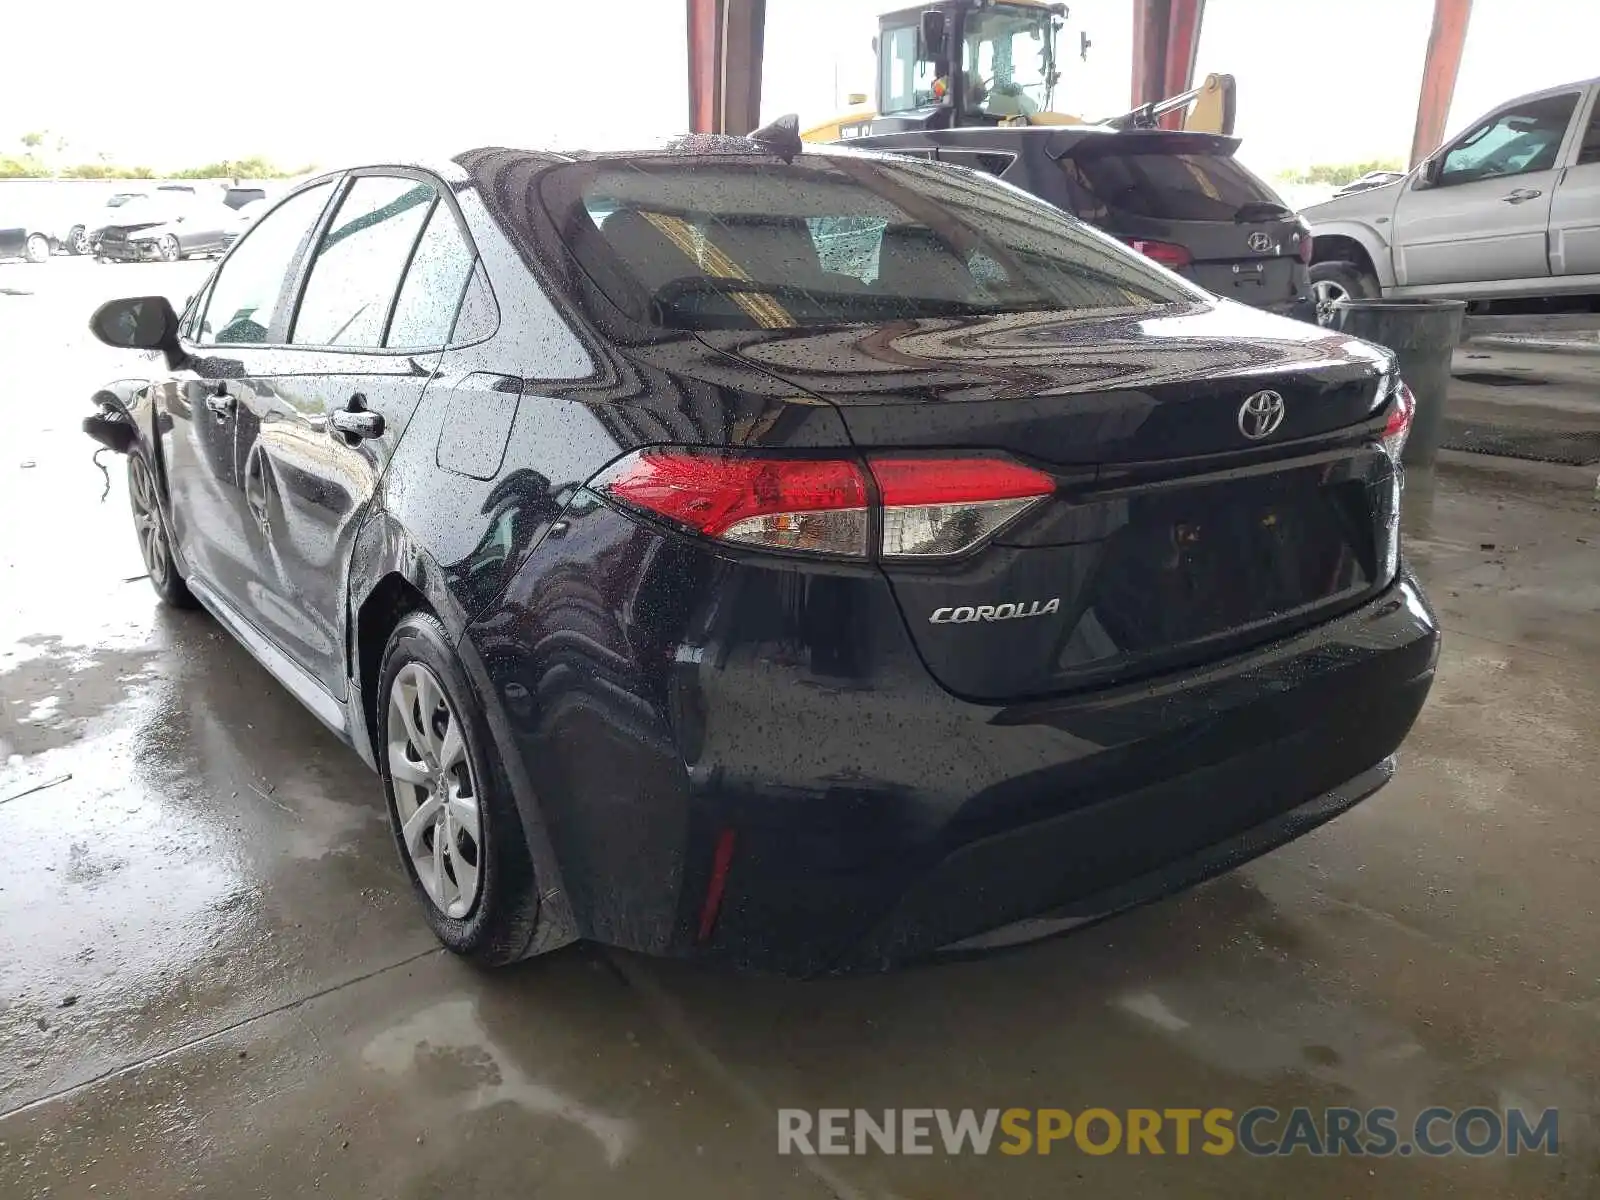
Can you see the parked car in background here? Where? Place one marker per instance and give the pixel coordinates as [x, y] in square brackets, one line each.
[1180, 198]
[24, 233]
[76, 234]
[1506, 215]
[13, 241]
[244, 217]
[167, 230]
[237, 197]
[698, 588]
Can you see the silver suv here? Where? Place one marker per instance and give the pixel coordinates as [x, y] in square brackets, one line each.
[1508, 210]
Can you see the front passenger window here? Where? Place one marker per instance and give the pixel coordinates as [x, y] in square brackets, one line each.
[359, 262]
[1521, 139]
[248, 286]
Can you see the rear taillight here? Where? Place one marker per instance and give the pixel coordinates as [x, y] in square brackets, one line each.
[1168, 254]
[808, 505]
[931, 508]
[1302, 241]
[1395, 431]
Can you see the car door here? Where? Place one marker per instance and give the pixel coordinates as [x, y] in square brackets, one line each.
[226, 340]
[1482, 212]
[1575, 211]
[369, 328]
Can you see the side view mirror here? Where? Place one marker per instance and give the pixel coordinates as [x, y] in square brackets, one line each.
[1430, 170]
[140, 323]
[933, 33]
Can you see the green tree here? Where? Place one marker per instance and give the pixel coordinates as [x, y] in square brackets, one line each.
[1340, 174]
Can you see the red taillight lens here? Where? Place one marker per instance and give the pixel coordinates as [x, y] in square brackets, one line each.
[1168, 254]
[1395, 431]
[1303, 242]
[937, 507]
[809, 505]
[932, 507]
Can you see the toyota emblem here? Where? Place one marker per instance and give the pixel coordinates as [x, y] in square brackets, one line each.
[1260, 415]
[1259, 242]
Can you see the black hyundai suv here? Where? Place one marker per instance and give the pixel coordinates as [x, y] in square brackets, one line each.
[1182, 199]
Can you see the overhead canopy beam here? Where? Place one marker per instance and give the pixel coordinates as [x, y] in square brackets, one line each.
[725, 46]
[1166, 39]
[1445, 43]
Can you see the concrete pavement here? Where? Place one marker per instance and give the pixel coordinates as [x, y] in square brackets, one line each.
[213, 979]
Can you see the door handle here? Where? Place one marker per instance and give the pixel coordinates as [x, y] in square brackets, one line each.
[355, 422]
[1518, 195]
[221, 404]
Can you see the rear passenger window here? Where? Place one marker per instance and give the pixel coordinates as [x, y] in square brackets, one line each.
[359, 262]
[431, 293]
[479, 317]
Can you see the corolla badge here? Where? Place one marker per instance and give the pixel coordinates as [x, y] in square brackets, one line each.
[995, 612]
[1260, 415]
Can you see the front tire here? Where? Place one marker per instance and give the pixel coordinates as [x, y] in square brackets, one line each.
[1337, 280]
[78, 241]
[38, 248]
[168, 248]
[454, 820]
[150, 525]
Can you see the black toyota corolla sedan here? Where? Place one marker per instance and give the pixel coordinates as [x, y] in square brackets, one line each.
[808, 560]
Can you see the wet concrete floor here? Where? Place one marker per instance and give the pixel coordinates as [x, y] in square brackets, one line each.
[213, 980]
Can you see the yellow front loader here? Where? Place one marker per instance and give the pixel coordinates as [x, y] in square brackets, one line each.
[992, 62]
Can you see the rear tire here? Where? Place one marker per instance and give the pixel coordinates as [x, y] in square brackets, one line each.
[454, 820]
[38, 248]
[149, 523]
[1336, 280]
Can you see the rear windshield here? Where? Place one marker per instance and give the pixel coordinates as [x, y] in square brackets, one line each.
[1173, 187]
[734, 243]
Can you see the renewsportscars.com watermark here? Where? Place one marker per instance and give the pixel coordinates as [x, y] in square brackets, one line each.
[1258, 1132]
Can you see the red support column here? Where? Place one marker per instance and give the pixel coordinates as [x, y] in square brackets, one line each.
[1151, 19]
[1183, 43]
[725, 45]
[1166, 37]
[705, 56]
[1439, 71]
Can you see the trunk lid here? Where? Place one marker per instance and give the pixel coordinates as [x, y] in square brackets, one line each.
[1173, 537]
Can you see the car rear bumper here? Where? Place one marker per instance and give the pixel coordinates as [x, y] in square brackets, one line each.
[758, 767]
[1080, 806]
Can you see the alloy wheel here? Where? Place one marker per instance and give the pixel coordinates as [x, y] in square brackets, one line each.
[436, 795]
[1327, 292]
[80, 240]
[169, 248]
[147, 521]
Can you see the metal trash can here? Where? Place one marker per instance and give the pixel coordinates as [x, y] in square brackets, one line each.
[1423, 334]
